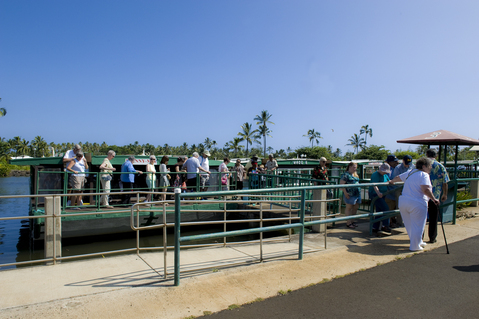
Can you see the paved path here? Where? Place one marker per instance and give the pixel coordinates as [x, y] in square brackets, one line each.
[427, 285]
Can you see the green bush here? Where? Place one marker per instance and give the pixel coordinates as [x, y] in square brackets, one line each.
[463, 195]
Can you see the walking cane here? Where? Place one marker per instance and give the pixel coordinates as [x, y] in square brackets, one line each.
[442, 225]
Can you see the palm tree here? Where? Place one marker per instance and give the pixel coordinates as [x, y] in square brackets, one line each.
[263, 130]
[3, 111]
[209, 143]
[234, 145]
[366, 131]
[249, 135]
[23, 147]
[357, 142]
[313, 135]
[39, 144]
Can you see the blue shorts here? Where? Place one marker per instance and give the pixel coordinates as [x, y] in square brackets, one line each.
[353, 200]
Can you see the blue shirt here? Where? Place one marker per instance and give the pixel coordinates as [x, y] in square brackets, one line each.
[128, 167]
[438, 176]
[402, 169]
[378, 178]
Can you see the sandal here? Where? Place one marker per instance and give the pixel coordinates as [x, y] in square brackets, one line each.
[351, 226]
[354, 224]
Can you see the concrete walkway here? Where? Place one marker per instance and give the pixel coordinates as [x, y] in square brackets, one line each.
[130, 286]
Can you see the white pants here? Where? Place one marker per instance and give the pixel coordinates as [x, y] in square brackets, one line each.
[414, 214]
[106, 189]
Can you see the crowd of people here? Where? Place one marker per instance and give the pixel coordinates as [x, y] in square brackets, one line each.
[425, 185]
[182, 175]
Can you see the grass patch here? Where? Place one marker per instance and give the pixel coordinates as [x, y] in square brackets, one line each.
[233, 306]
[190, 317]
[259, 299]
[215, 270]
[207, 313]
[283, 292]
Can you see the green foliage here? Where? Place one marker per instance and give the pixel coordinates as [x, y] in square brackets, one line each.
[401, 154]
[463, 195]
[373, 152]
[314, 152]
[233, 306]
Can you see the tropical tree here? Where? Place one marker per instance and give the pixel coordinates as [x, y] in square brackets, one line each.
[263, 130]
[270, 150]
[373, 152]
[234, 145]
[23, 147]
[208, 143]
[3, 111]
[39, 144]
[249, 135]
[366, 130]
[313, 136]
[357, 142]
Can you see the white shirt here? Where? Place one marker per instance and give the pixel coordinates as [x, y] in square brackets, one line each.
[205, 164]
[70, 155]
[271, 164]
[412, 184]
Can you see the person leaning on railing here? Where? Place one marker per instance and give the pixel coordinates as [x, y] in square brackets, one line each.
[381, 176]
[77, 166]
[413, 202]
[106, 178]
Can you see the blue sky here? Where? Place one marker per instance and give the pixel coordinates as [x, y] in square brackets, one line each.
[179, 71]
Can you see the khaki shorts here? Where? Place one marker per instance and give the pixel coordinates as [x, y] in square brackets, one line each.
[77, 182]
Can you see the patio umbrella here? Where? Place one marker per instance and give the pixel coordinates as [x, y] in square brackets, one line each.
[442, 137]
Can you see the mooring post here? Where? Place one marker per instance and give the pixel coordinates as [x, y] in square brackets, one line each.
[319, 208]
[53, 228]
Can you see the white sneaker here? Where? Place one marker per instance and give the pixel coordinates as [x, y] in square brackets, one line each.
[423, 244]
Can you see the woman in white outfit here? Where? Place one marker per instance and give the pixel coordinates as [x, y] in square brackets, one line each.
[413, 201]
[151, 177]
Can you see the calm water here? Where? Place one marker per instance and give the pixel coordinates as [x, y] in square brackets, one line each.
[16, 243]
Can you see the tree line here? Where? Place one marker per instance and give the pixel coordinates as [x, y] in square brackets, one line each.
[252, 137]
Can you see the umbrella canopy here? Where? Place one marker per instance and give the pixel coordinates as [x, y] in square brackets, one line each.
[440, 137]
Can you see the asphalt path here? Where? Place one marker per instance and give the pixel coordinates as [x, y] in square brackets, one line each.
[431, 284]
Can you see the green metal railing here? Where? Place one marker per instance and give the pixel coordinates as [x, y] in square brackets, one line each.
[299, 225]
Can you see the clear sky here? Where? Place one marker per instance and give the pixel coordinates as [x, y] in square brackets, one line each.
[179, 71]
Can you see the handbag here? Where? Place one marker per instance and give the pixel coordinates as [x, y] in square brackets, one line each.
[224, 180]
[183, 186]
[177, 183]
[106, 177]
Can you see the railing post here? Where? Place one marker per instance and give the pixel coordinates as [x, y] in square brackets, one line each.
[455, 204]
[474, 190]
[53, 228]
[319, 208]
[301, 220]
[177, 236]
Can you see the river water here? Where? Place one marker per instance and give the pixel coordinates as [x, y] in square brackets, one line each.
[16, 243]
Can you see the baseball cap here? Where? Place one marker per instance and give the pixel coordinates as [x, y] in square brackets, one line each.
[407, 159]
[391, 158]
